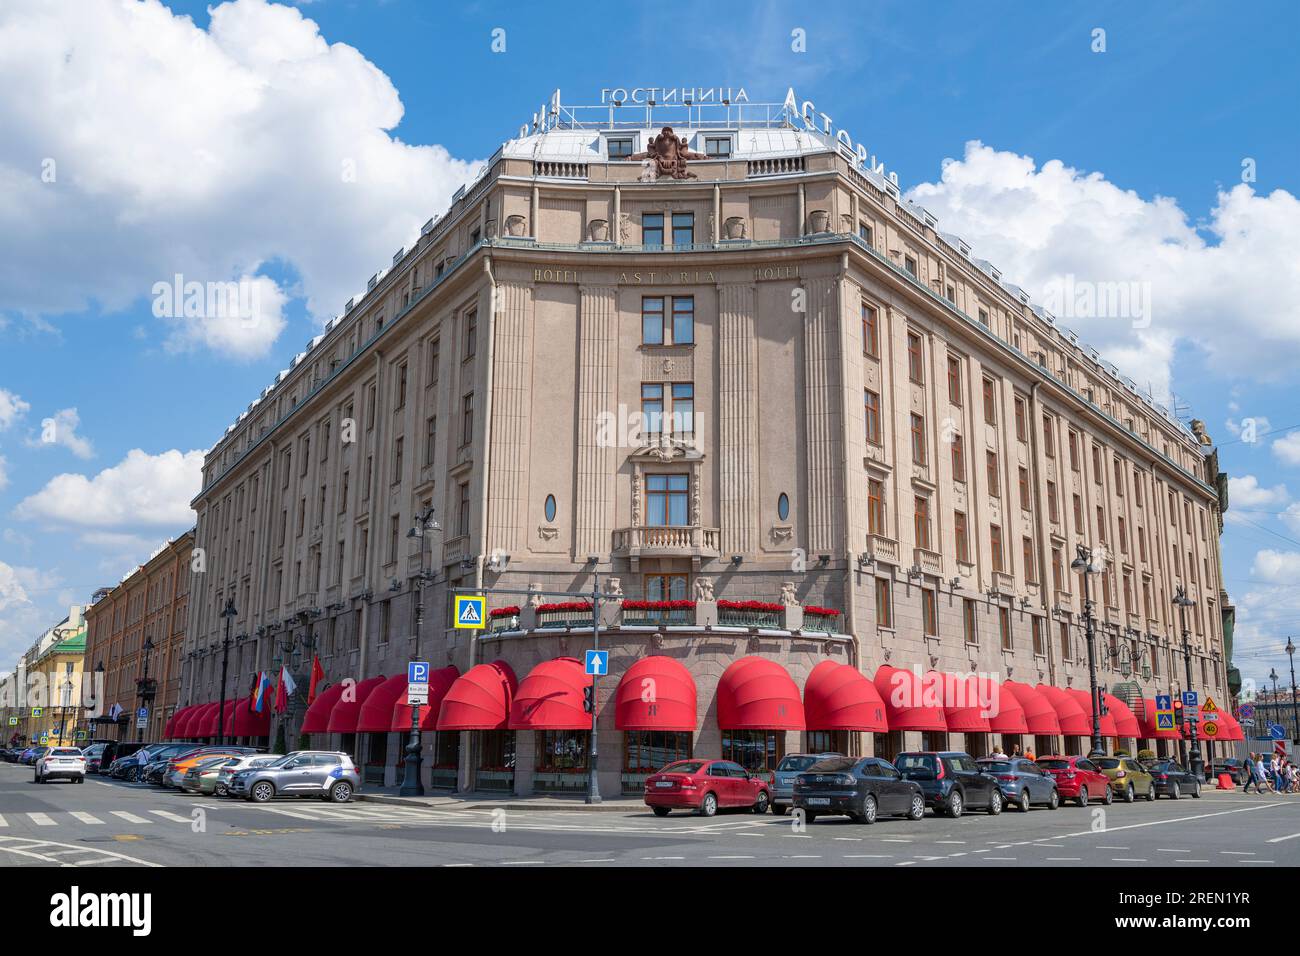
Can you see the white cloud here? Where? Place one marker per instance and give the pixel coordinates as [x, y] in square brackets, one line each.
[1287, 448]
[1238, 299]
[12, 408]
[141, 489]
[12, 592]
[4, 473]
[1246, 492]
[1252, 427]
[1290, 516]
[61, 429]
[1277, 567]
[247, 332]
[205, 153]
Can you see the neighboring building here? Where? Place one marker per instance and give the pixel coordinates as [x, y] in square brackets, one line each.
[769, 380]
[46, 689]
[135, 633]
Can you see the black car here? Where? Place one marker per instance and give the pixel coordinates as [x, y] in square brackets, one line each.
[857, 787]
[1234, 767]
[115, 749]
[951, 781]
[1173, 780]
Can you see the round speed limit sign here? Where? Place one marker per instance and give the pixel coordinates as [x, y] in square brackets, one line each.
[1211, 729]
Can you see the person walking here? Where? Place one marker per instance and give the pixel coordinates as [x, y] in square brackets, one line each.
[1249, 768]
[1261, 772]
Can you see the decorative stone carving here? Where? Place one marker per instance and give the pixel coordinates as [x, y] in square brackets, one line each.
[668, 154]
[614, 587]
[599, 230]
[788, 596]
[846, 223]
[657, 639]
[779, 533]
[704, 589]
[734, 227]
[535, 597]
[636, 498]
[624, 227]
[490, 229]
[547, 532]
[819, 220]
[516, 225]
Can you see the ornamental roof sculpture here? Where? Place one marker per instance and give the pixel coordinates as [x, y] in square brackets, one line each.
[669, 153]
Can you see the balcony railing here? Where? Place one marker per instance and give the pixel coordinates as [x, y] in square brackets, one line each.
[666, 540]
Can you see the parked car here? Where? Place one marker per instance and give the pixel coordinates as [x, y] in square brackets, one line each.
[951, 781]
[1173, 779]
[328, 775]
[1128, 778]
[204, 770]
[157, 760]
[860, 788]
[32, 754]
[221, 784]
[1234, 767]
[787, 770]
[93, 755]
[122, 766]
[12, 754]
[180, 764]
[1022, 782]
[705, 786]
[65, 763]
[1077, 779]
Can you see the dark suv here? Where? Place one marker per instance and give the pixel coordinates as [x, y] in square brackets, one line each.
[951, 781]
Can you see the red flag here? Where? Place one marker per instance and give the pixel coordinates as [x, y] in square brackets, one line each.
[281, 695]
[317, 675]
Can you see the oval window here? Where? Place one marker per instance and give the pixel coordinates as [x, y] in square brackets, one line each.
[783, 506]
[550, 507]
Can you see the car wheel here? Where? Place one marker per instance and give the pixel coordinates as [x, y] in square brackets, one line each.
[220, 790]
[1109, 798]
[1175, 792]
[809, 817]
[1083, 797]
[760, 805]
[81, 780]
[261, 792]
[995, 803]
[955, 804]
[660, 811]
[709, 805]
[1053, 800]
[916, 809]
[1151, 793]
[868, 814]
[778, 809]
[1196, 792]
[1023, 803]
[341, 792]
[1129, 795]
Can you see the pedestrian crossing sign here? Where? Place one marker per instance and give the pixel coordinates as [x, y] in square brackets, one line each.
[469, 611]
[1164, 721]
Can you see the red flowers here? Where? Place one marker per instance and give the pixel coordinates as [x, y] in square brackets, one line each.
[823, 611]
[564, 606]
[658, 605]
[766, 606]
[504, 611]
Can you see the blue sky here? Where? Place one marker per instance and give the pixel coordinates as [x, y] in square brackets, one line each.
[212, 147]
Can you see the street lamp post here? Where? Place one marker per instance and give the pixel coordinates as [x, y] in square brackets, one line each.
[1194, 753]
[593, 785]
[1084, 564]
[144, 686]
[1277, 707]
[425, 527]
[1295, 718]
[228, 612]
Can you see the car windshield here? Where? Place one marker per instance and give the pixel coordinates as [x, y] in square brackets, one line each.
[795, 763]
[1161, 765]
[997, 766]
[915, 762]
[1107, 763]
[833, 764]
[684, 766]
[1054, 764]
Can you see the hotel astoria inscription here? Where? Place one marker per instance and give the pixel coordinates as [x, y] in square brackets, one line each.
[658, 277]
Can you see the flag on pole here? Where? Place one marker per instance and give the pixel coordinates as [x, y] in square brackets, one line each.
[284, 689]
[317, 675]
[260, 696]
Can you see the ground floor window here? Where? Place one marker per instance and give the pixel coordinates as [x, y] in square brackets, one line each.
[887, 746]
[977, 745]
[376, 758]
[496, 760]
[347, 743]
[827, 741]
[1077, 746]
[1009, 744]
[1044, 744]
[755, 750]
[446, 759]
[562, 760]
[934, 740]
[648, 751]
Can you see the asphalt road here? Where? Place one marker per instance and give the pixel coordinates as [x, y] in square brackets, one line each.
[104, 823]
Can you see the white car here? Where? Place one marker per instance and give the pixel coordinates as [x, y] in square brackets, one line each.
[67, 762]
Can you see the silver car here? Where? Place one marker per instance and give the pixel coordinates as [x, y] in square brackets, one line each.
[328, 775]
[791, 766]
[221, 787]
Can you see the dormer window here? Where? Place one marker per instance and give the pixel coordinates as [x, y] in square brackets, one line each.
[717, 147]
[619, 147]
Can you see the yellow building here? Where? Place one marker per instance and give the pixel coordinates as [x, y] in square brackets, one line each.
[54, 715]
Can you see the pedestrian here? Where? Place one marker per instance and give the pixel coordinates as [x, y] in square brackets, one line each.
[1261, 772]
[998, 752]
[1248, 765]
[1029, 755]
[1015, 750]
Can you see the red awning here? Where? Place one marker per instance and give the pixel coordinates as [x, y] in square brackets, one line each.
[479, 699]
[839, 697]
[1006, 715]
[551, 697]
[346, 713]
[1229, 729]
[377, 712]
[186, 720]
[172, 722]
[1040, 715]
[1126, 724]
[910, 702]
[756, 693]
[962, 710]
[202, 719]
[1147, 723]
[251, 723]
[221, 718]
[1107, 721]
[1074, 722]
[440, 682]
[317, 718]
[656, 693]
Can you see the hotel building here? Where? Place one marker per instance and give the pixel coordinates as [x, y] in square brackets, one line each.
[801, 440]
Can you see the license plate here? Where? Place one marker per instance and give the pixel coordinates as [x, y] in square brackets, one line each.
[819, 801]
[663, 783]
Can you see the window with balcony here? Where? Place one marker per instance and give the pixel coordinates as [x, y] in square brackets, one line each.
[921, 521]
[875, 506]
[918, 439]
[667, 500]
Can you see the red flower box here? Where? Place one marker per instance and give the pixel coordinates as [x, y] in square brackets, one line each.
[564, 606]
[504, 611]
[764, 606]
[658, 605]
[823, 611]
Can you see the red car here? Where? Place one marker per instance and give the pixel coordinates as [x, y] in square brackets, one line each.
[1077, 779]
[705, 786]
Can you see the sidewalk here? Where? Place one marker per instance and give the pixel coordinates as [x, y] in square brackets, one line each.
[494, 801]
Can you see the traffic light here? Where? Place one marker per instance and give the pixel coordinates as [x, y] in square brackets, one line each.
[589, 699]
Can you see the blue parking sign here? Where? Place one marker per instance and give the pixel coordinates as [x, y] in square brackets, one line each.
[417, 672]
[1189, 698]
[597, 663]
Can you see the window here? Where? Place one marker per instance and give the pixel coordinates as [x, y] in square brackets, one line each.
[929, 612]
[652, 228]
[665, 587]
[995, 547]
[864, 232]
[921, 521]
[372, 403]
[435, 359]
[652, 409]
[915, 367]
[684, 410]
[954, 381]
[305, 458]
[1058, 570]
[871, 405]
[397, 459]
[666, 500]
[1049, 437]
[717, 147]
[991, 473]
[990, 403]
[654, 329]
[394, 536]
[1040, 644]
[683, 228]
[1020, 419]
[1074, 451]
[471, 333]
[646, 751]
[463, 510]
[984, 317]
[962, 537]
[619, 147]
[1065, 642]
[683, 319]
[875, 506]
[1119, 479]
[1142, 544]
[1027, 553]
[1053, 506]
[968, 622]
[1122, 529]
[958, 459]
[467, 419]
[1004, 628]
[548, 508]
[1023, 483]
[401, 385]
[1096, 464]
[884, 603]
[783, 506]
[1078, 515]
[1101, 524]
[430, 439]
[918, 439]
[343, 493]
[909, 263]
[870, 331]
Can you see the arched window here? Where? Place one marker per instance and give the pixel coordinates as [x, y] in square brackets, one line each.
[550, 507]
[783, 506]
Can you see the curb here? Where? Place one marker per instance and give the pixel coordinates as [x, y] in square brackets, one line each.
[465, 805]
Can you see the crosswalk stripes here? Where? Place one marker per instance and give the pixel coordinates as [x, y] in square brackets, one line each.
[174, 817]
[85, 817]
[42, 820]
[3, 821]
[129, 817]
